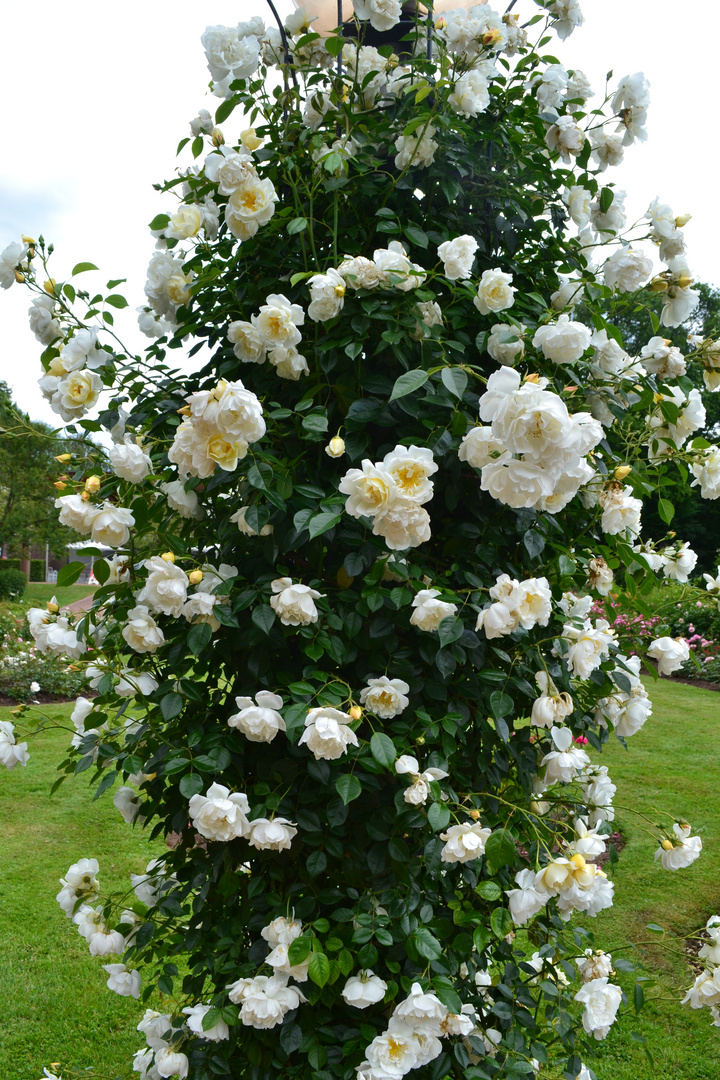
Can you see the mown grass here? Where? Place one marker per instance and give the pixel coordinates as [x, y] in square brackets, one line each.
[671, 765]
[54, 1005]
[38, 593]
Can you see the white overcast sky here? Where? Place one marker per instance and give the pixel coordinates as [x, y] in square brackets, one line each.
[96, 97]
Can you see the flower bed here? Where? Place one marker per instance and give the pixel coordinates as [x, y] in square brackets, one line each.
[25, 674]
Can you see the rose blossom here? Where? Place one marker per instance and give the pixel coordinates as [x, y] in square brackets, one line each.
[294, 604]
[220, 814]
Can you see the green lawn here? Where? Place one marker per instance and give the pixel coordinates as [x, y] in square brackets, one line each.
[54, 1003]
[672, 764]
[38, 593]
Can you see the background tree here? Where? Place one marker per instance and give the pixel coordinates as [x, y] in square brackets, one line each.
[28, 470]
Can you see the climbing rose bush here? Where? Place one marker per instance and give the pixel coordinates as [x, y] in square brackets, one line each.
[344, 657]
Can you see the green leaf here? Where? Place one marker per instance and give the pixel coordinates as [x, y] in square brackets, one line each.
[82, 267]
[501, 922]
[226, 108]
[489, 890]
[116, 300]
[348, 788]
[638, 997]
[481, 938]
[500, 849]
[455, 380]
[655, 928]
[101, 570]
[296, 225]
[383, 749]
[211, 1018]
[299, 950]
[438, 816]
[427, 944]
[450, 629]
[319, 968]
[171, 705]
[160, 221]
[68, 575]
[501, 704]
[334, 45]
[408, 383]
[666, 510]
[191, 784]
[316, 863]
[198, 638]
[263, 616]
[417, 236]
[606, 199]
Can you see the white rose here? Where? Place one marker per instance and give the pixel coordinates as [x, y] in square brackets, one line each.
[627, 270]
[578, 200]
[670, 653]
[385, 697]
[260, 720]
[75, 393]
[278, 320]
[327, 733]
[141, 631]
[11, 753]
[495, 293]
[195, 1014]
[566, 137]
[169, 1062]
[165, 588]
[220, 814]
[470, 95]
[505, 343]
[429, 612]
[111, 525]
[594, 965]
[288, 362]
[620, 510]
[381, 14]
[76, 514]
[563, 342]
[527, 899]
[186, 222]
[248, 345]
[267, 835]
[294, 605]
[563, 763]
[601, 1001]
[480, 446]
[264, 1000]
[516, 483]
[464, 843]
[364, 989]
[359, 272]
[327, 295]
[123, 982]
[458, 256]
[185, 503]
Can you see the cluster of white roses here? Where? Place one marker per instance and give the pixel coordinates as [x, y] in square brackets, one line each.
[517, 603]
[391, 492]
[705, 991]
[54, 632]
[107, 524]
[570, 879]
[668, 435]
[265, 1000]
[223, 815]
[412, 1038]
[626, 709]
[72, 385]
[532, 451]
[218, 426]
[80, 887]
[272, 335]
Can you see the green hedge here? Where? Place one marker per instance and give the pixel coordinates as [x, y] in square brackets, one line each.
[9, 564]
[12, 584]
[37, 569]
